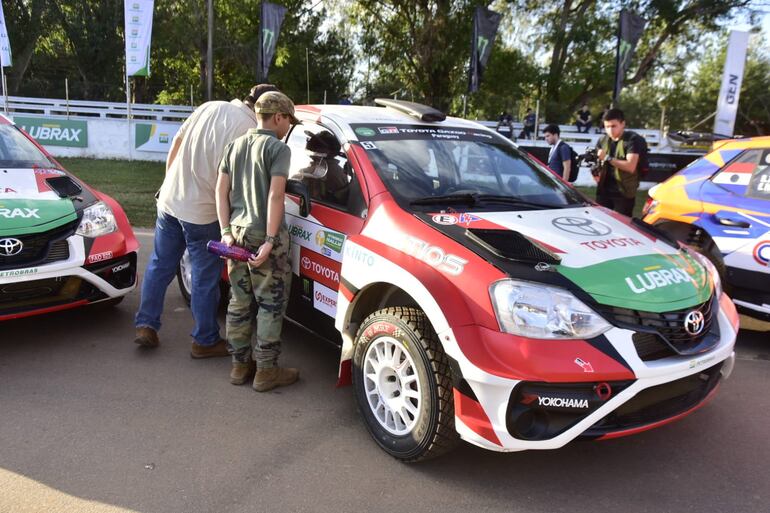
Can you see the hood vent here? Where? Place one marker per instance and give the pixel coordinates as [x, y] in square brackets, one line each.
[511, 245]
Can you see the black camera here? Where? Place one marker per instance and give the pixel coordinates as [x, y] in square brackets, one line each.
[591, 159]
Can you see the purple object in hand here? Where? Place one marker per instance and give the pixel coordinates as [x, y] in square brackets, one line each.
[231, 252]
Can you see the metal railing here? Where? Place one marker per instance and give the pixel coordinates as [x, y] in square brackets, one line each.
[82, 109]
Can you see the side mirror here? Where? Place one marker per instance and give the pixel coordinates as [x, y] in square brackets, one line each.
[300, 189]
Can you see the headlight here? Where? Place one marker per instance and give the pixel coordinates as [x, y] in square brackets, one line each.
[710, 268]
[539, 311]
[97, 220]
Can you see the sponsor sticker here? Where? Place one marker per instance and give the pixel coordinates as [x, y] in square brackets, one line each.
[620, 242]
[55, 132]
[319, 268]
[651, 280]
[434, 256]
[12, 273]
[359, 255]
[99, 257]
[368, 145]
[24, 213]
[581, 226]
[365, 131]
[387, 129]
[331, 240]
[324, 299]
[298, 232]
[445, 219]
[761, 253]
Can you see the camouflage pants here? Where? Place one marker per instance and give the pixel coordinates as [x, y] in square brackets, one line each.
[258, 301]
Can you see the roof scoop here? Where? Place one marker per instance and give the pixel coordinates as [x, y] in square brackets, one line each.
[415, 110]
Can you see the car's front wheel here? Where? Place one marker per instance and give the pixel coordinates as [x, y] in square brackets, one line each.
[184, 281]
[403, 384]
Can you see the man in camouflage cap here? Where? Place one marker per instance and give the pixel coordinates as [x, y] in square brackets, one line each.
[250, 205]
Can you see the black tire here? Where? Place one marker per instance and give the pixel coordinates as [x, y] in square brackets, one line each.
[433, 433]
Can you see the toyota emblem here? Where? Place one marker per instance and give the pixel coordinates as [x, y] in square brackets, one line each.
[694, 322]
[10, 247]
[581, 226]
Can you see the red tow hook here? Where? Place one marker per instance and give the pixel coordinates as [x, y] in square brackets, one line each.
[603, 391]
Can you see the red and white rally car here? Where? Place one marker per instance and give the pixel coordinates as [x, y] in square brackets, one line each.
[62, 243]
[480, 297]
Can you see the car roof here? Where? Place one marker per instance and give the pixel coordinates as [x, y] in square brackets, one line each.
[345, 115]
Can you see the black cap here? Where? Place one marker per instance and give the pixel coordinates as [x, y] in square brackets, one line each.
[322, 144]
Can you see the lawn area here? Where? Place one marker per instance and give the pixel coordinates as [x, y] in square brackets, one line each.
[132, 183]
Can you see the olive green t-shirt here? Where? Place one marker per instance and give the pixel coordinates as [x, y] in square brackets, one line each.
[251, 161]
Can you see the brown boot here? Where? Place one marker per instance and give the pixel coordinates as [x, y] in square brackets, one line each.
[218, 349]
[146, 337]
[268, 379]
[242, 372]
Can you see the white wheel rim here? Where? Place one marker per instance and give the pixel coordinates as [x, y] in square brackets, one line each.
[392, 386]
[186, 272]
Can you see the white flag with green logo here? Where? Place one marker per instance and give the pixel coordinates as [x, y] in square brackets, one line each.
[138, 34]
[5, 43]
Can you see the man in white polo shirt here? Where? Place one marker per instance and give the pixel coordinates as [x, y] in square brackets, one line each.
[187, 219]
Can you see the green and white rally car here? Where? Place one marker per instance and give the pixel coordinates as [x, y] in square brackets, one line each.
[62, 243]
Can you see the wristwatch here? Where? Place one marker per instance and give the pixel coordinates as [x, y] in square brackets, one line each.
[272, 239]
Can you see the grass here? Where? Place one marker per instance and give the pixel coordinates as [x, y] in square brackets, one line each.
[134, 183]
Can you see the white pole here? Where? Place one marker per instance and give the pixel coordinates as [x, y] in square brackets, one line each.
[5, 89]
[128, 117]
[67, 95]
[192, 101]
[307, 72]
[324, 96]
[537, 119]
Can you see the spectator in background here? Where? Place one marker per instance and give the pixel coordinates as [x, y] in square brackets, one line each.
[505, 120]
[602, 114]
[529, 125]
[619, 150]
[187, 220]
[345, 100]
[560, 156]
[584, 121]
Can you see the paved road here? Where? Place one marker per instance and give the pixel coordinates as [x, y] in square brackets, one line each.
[89, 422]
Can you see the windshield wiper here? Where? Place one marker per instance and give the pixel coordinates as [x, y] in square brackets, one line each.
[470, 199]
[511, 200]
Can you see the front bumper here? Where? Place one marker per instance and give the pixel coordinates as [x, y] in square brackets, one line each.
[66, 283]
[513, 396]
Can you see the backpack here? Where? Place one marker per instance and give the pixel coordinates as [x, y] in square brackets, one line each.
[643, 167]
[574, 164]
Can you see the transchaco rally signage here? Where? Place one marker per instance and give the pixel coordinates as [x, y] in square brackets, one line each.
[54, 131]
[154, 136]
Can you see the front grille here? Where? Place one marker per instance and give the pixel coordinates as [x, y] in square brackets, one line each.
[41, 248]
[659, 402]
[37, 294]
[667, 328]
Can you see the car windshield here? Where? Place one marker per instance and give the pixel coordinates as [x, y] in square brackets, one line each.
[16, 151]
[434, 166]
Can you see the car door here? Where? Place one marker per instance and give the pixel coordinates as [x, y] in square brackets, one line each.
[317, 240]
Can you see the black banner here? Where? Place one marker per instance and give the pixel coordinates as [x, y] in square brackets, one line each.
[631, 28]
[270, 27]
[485, 23]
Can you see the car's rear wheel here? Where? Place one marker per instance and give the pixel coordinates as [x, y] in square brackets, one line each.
[403, 384]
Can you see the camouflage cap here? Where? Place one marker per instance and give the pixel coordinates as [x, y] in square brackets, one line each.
[275, 102]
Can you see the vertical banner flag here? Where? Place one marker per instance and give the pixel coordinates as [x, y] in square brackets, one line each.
[5, 43]
[631, 28]
[485, 23]
[270, 26]
[138, 33]
[727, 104]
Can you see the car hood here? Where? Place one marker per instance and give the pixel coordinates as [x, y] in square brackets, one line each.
[604, 254]
[29, 205]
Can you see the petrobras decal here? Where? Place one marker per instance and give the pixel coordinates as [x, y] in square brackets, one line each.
[315, 237]
[27, 184]
[582, 237]
[15, 273]
[324, 299]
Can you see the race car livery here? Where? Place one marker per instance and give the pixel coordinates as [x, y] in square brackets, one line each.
[476, 296]
[720, 204]
[62, 244]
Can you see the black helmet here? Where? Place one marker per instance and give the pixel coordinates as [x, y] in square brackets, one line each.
[323, 144]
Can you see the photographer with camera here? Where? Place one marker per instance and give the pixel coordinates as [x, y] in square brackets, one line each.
[620, 153]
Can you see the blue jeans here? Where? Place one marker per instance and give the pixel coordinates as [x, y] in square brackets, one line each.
[172, 237]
